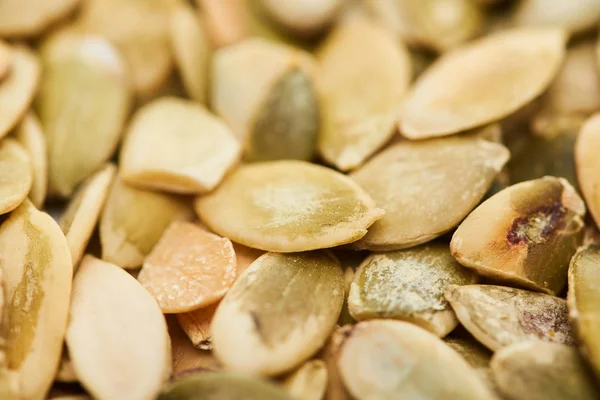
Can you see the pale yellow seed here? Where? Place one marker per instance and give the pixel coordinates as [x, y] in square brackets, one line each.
[29, 133]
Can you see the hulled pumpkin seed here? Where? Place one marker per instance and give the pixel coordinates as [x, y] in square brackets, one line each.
[187, 358]
[196, 325]
[588, 164]
[482, 82]
[275, 112]
[83, 211]
[17, 175]
[415, 183]
[542, 371]
[6, 60]
[224, 21]
[363, 76]
[583, 299]
[75, 64]
[29, 134]
[191, 50]
[476, 355]
[131, 362]
[222, 386]
[524, 235]
[385, 359]
[308, 382]
[335, 386]
[133, 220]
[177, 145]
[288, 206]
[20, 18]
[499, 316]
[245, 256]
[37, 269]
[574, 16]
[189, 268]
[409, 285]
[278, 313]
[300, 17]
[18, 87]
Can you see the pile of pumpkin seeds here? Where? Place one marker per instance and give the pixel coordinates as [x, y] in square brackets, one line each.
[292, 199]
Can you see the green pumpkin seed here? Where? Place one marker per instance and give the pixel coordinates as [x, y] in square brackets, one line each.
[16, 172]
[482, 82]
[385, 359]
[20, 18]
[588, 164]
[409, 285]
[499, 316]
[542, 371]
[363, 76]
[308, 382]
[288, 206]
[278, 313]
[409, 180]
[583, 299]
[30, 135]
[574, 16]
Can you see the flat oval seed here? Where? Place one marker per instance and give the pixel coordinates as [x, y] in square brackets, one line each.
[133, 221]
[37, 270]
[363, 77]
[6, 60]
[76, 64]
[385, 359]
[336, 390]
[409, 179]
[179, 146]
[187, 358]
[18, 88]
[288, 206]
[196, 325]
[584, 299]
[499, 316]
[30, 135]
[409, 285]
[20, 18]
[575, 15]
[17, 175]
[525, 234]
[83, 211]
[308, 382]
[278, 312]
[117, 336]
[189, 268]
[303, 18]
[476, 355]
[191, 50]
[222, 386]
[542, 371]
[588, 164]
[482, 82]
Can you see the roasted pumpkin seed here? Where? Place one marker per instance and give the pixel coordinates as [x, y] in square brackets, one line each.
[482, 82]
[499, 316]
[19, 18]
[308, 382]
[386, 359]
[409, 285]
[131, 362]
[16, 173]
[29, 134]
[196, 325]
[177, 145]
[278, 313]
[416, 185]
[542, 371]
[186, 357]
[588, 164]
[363, 77]
[288, 206]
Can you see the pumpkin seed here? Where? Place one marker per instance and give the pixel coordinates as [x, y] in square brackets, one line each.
[222, 386]
[196, 325]
[20, 18]
[363, 76]
[29, 134]
[409, 180]
[130, 362]
[409, 285]
[336, 390]
[275, 112]
[278, 313]
[224, 21]
[188, 268]
[6, 60]
[18, 88]
[588, 164]
[133, 221]
[499, 316]
[76, 64]
[17, 178]
[308, 382]
[386, 359]
[83, 211]
[186, 357]
[302, 18]
[583, 299]
[523, 235]
[494, 77]
[191, 50]
[574, 16]
[538, 370]
[288, 206]
[476, 355]
[178, 146]
[37, 269]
